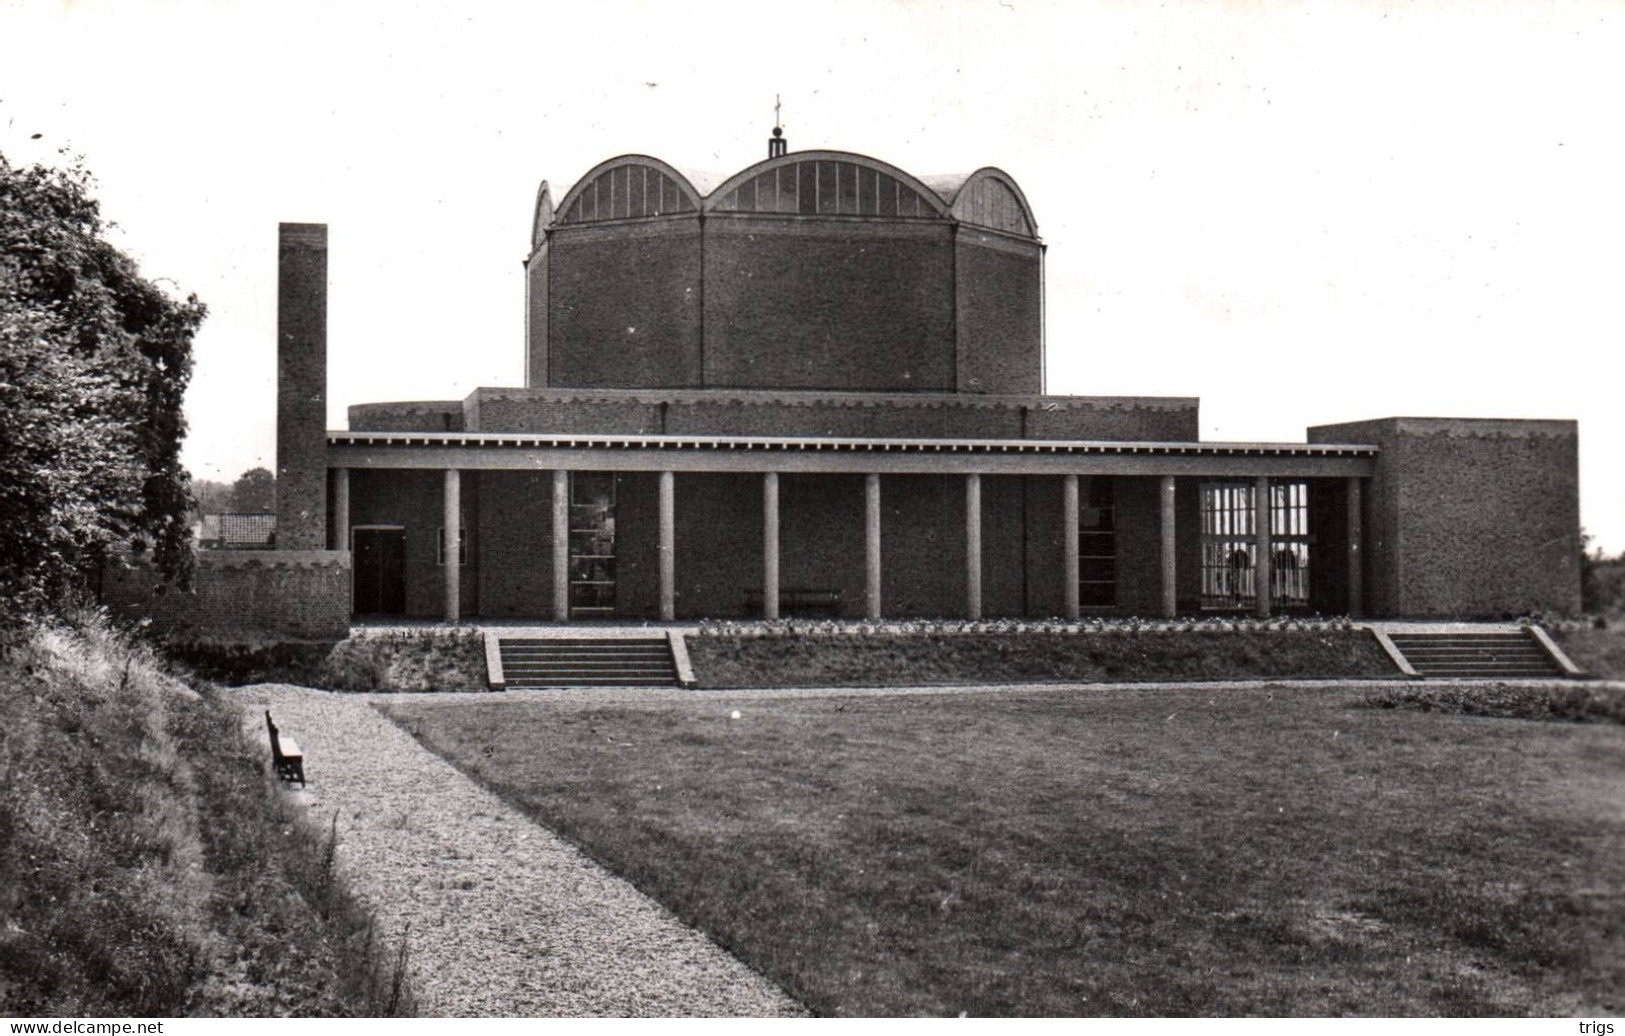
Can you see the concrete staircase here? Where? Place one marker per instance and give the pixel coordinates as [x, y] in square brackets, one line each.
[1512, 655]
[588, 662]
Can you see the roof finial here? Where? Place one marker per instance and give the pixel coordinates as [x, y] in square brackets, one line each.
[777, 145]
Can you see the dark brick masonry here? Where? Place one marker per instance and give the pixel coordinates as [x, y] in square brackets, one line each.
[301, 386]
[1475, 518]
[299, 594]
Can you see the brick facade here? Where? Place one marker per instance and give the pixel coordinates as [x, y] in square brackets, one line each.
[998, 312]
[300, 594]
[841, 414]
[301, 389]
[435, 416]
[675, 290]
[1469, 518]
[828, 306]
[623, 306]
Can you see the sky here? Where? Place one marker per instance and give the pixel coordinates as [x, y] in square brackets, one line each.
[1302, 213]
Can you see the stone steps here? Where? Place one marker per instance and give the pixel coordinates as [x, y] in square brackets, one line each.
[1477, 655]
[588, 662]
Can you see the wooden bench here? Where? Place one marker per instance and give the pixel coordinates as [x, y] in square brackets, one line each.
[285, 754]
[798, 602]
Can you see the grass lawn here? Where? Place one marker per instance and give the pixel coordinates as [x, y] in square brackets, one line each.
[1123, 851]
[1599, 652]
[882, 660]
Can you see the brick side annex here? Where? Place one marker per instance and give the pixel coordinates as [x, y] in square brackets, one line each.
[817, 387]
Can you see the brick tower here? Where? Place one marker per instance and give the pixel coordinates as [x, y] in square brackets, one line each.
[301, 387]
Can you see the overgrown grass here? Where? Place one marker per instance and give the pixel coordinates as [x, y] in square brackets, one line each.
[243, 656]
[148, 866]
[408, 661]
[1120, 851]
[878, 660]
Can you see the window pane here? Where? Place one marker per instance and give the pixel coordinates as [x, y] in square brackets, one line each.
[828, 197]
[807, 176]
[847, 176]
[767, 191]
[888, 195]
[788, 195]
[867, 202]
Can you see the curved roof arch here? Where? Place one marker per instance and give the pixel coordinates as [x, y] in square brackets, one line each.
[542, 217]
[928, 199]
[989, 197]
[594, 197]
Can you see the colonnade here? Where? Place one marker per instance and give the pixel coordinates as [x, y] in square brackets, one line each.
[667, 550]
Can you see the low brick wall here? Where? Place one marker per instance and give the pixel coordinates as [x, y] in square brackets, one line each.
[302, 594]
[931, 415]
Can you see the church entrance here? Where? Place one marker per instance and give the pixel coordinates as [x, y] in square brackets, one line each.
[379, 570]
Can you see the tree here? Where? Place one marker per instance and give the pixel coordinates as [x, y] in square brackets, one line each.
[210, 496]
[254, 491]
[94, 360]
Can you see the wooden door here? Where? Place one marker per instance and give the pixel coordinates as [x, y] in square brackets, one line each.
[380, 571]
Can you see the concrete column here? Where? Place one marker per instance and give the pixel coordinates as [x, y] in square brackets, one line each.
[1069, 540]
[561, 546]
[1261, 546]
[871, 546]
[452, 519]
[973, 546]
[1356, 584]
[341, 508]
[770, 545]
[668, 547]
[1170, 586]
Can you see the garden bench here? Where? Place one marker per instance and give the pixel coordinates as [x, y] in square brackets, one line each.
[798, 601]
[286, 757]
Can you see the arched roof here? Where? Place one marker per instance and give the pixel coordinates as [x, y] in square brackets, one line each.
[827, 169]
[819, 183]
[542, 218]
[989, 197]
[626, 187]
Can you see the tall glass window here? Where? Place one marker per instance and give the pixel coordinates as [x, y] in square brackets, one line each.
[1230, 546]
[1097, 542]
[592, 544]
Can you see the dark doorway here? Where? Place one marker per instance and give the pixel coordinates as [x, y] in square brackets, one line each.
[380, 571]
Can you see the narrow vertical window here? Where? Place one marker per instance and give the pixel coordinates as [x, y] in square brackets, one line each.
[1097, 543]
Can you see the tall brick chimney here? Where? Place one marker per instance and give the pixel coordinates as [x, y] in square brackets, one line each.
[301, 387]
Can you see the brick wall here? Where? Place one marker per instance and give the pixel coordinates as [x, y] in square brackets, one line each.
[427, 416]
[517, 410]
[843, 414]
[623, 306]
[536, 317]
[514, 535]
[300, 594]
[301, 392]
[1139, 545]
[414, 500]
[1470, 518]
[853, 306]
[999, 312]
[1004, 538]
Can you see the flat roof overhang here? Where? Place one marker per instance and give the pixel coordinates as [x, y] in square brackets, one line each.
[488, 451]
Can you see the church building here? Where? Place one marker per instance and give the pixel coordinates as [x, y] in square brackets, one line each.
[816, 387]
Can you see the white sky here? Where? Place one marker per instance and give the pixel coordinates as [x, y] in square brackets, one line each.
[1301, 213]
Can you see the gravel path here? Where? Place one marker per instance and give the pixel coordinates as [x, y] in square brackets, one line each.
[506, 918]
